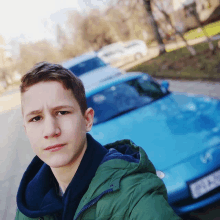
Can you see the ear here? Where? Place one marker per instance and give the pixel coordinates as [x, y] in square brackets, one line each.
[89, 116]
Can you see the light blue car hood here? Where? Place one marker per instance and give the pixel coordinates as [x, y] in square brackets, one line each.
[99, 74]
[170, 129]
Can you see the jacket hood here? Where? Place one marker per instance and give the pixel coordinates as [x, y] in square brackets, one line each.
[129, 152]
[37, 195]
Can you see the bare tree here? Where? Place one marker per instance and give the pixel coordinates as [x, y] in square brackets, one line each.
[147, 4]
[32, 53]
[2, 51]
[5, 77]
[117, 23]
[192, 10]
[168, 20]
[74, 21]
[61, 36]
[97, 31]
[76, 44]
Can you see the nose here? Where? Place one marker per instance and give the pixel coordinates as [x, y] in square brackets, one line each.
[51, 127]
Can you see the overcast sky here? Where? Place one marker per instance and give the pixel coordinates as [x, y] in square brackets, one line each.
[26, 19]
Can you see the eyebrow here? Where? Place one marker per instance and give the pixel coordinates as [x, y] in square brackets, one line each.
[35, 112]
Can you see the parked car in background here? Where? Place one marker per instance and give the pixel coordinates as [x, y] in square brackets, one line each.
[113, 54]
[120, 53]
[91, 66]
[136, 48]
[179, 132]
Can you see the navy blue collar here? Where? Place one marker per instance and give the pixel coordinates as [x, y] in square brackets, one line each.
[80, 183]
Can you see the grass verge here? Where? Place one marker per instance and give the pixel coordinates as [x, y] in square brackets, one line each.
[179, 64]
[211, 29]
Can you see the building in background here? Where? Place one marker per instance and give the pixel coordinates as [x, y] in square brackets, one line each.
[182, 15]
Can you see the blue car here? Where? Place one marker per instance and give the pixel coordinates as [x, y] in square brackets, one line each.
[91, 69]
[180, 133]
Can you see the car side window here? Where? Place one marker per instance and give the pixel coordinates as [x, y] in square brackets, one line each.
[87, 66]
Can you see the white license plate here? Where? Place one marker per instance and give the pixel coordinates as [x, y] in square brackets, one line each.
[205, 184]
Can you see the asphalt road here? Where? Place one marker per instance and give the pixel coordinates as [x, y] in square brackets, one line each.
[211, 89]
[14, 157]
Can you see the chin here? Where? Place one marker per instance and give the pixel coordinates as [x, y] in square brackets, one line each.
[57, 162]
[56, 165]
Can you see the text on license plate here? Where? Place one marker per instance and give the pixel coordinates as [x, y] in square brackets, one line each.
[205, 184]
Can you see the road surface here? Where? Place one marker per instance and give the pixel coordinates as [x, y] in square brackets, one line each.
[14, 157]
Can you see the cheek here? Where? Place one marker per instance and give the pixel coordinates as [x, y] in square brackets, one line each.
[73, 125]
[33, 135]
[73, 130]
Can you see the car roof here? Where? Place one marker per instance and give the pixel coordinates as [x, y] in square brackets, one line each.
[94, 88]
[111, 46]
[79, 59]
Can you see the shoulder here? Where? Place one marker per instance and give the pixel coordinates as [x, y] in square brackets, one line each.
[148, 197]
[133, 188]
[143, 184]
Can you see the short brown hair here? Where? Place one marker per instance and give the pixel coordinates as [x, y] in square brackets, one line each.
[45, 71]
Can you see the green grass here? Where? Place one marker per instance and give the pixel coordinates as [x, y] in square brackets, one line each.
[211, 29]
[179, 64]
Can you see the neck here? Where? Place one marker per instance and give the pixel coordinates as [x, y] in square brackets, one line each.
[65, 174]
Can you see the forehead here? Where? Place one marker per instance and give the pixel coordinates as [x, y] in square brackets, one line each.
[50, 94]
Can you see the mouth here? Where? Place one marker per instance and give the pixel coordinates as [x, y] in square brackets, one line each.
[55, 147]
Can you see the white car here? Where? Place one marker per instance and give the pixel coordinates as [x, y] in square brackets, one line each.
[113, 53]
[114, 57]
[121, 53]
[92, 68]
[136, 48]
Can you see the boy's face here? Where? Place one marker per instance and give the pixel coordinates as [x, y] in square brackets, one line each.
[52, 116]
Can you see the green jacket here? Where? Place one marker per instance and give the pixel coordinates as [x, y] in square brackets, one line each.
[123, 188]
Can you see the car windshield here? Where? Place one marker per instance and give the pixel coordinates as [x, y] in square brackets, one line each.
[111, 53]
[131, 45]
[124, 97]
[87, 66]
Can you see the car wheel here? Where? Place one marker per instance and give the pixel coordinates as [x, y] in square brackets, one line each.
[138, 56]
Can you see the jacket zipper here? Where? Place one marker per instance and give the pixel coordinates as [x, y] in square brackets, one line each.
[87, 206]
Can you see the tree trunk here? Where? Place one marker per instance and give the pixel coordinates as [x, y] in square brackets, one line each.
[4, 76]
[211, 46]
[147, 4]
[167, 17]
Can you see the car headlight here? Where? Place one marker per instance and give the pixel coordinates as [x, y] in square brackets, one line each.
[160, 174]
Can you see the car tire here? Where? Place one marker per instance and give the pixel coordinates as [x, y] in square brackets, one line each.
[138, 56]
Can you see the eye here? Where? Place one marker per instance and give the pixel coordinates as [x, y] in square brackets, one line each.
[36, 119]
[63, 113]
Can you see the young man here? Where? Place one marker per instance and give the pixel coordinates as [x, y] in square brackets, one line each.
[73, 176]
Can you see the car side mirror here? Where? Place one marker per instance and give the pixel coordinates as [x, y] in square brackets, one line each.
[165, 84]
